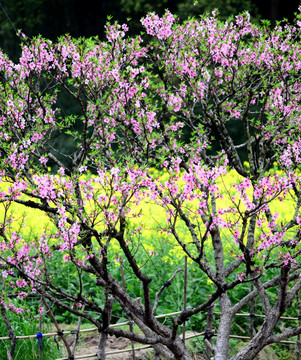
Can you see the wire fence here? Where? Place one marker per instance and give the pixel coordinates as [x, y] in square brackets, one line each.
[139, 348]
[208, 333]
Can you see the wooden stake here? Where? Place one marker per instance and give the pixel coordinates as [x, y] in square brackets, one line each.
[40, 330]
[130, 322]
[298, 342]
[252, 312]
[76, 335]
[185, 295]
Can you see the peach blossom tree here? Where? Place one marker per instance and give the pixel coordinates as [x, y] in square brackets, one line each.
[168, 98]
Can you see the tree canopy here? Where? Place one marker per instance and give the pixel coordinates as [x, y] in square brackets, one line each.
[53, 18]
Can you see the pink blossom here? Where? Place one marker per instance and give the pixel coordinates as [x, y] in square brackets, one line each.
[43, 160]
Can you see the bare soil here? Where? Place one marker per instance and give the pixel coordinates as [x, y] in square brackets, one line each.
[115, 349]
[88, 345]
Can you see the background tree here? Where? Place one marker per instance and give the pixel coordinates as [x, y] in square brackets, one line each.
[56, 17]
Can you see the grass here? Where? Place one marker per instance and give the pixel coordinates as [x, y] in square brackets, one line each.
[27, 349]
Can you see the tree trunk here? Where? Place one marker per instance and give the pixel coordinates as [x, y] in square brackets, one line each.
[223, 334]
[101, 353]
[259, 341]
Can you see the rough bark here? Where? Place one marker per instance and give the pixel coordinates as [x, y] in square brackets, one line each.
[224, 328]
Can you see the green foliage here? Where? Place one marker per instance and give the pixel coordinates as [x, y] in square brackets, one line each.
[27, 349]
[135, 7]
[284, 351]
[25, 15]
[226, 8]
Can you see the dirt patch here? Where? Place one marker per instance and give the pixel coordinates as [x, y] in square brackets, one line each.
[266, 354]
[116, 348]
[88, 346]
[120, 349]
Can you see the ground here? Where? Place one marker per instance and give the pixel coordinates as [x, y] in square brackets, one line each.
[116, 346]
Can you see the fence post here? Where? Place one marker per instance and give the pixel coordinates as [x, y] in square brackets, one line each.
[40, 331]
[252, 312]
[76, 333]
[130, 321]
[185, 295]
[298, 342]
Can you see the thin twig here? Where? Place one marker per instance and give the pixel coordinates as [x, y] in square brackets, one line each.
[59, 331]
[165, 285]
[76, 335]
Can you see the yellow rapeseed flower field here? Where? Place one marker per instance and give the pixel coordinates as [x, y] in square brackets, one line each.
[154, 233]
